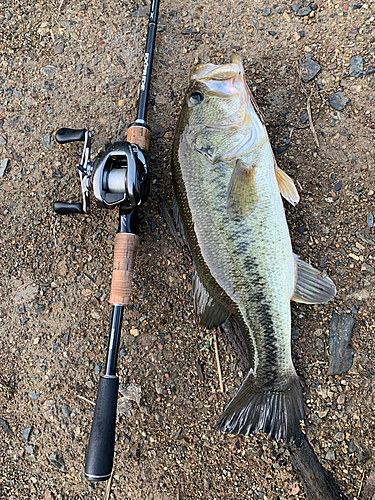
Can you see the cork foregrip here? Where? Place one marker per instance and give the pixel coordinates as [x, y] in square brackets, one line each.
[141, 136]
[125, 252]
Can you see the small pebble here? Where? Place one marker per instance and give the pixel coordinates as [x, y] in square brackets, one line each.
[339, 436]
[46, 141]
[304, 117]
[3, 166]
[366, 268]
[356, 66]
[3, 141]
[338, 101]
[66, 410]
[370, 70]
[134, 332]
[338, 186]
[330, 455]
[26, 434]
[341, 399]
[98, 368]
[33, 395]
[304, 11]
[370, 220]
[58, 47]
[309, 69]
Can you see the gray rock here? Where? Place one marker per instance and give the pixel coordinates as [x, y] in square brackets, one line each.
[3, 141]
[26, 434]
[57, 461]
[338, 101]
[304, 117]
[309, 68]
[370, 70]
[370, 220]
[330, 455]
[266, 12]
[356, 66]
[340, 332]
[33, 395]
[98, 368]
[304, 11]
[339, 436]
[49, 71]
[3, 166]
[66, 410]
[366, 268]
[46, 141]
[58, 47]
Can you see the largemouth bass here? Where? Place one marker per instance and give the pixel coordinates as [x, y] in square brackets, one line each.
[227, 188]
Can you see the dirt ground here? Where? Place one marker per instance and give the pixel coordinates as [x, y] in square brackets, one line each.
[78, 64]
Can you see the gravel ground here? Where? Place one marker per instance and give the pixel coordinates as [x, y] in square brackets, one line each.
[78, 64]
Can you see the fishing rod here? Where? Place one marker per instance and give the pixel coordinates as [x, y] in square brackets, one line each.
[118, 178]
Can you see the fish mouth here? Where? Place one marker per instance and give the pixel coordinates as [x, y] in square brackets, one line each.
[223, 80]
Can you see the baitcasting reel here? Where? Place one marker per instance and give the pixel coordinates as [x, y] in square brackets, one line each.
[118, 177]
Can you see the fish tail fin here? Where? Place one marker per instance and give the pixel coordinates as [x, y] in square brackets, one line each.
[273, 409]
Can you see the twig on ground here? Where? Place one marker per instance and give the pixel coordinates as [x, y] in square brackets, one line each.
[360, 486]
[308, 107]
[108, 486]
[59, 7]
[218, 363]
[85, 399]
[54, 233]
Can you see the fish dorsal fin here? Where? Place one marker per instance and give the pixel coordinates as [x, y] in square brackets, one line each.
[311, 286]
[242, 192]
[209, 312]
[286, 186]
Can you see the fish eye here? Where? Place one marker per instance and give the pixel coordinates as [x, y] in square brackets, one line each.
[195, 98]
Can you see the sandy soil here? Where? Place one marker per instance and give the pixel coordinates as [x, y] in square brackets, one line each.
[78, 64]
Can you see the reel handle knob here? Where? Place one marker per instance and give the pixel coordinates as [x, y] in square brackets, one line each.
[62, 208]
[64, 135]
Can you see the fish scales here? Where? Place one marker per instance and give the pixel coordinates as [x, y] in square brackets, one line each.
[232, 215]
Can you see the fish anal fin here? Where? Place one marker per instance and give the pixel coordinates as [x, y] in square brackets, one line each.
[311, 286]
[275, 410]
[242, 192]
[286, 186]
[209, 312]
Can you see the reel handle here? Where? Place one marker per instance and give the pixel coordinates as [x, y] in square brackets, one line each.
[64, 135]
[63, 208]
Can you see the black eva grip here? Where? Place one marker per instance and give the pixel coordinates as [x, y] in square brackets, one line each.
[99, 456]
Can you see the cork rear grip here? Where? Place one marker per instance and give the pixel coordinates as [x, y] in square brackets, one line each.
[139, 135]
[125, 252]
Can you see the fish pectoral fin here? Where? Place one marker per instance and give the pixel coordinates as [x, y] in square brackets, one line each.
[242, 193]
[311, 286]
[209, 312]
[286, 186]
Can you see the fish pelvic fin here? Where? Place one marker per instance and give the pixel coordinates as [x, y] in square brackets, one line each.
[275, 410]
[286, 186]
[209, 312]
[242, 192]
[311, 287]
